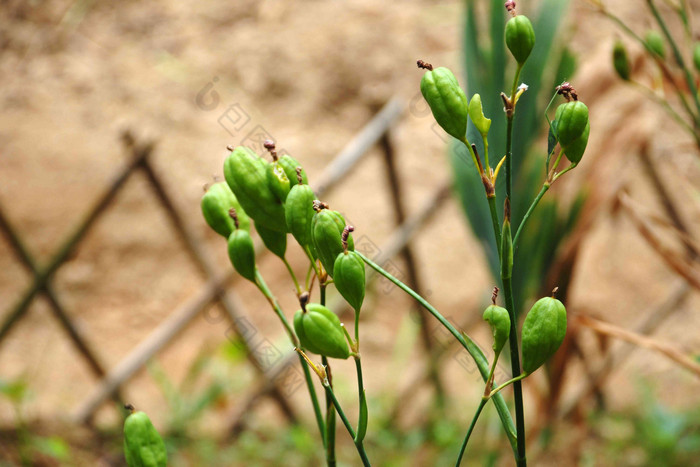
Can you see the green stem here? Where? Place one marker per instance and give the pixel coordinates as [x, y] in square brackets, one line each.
[643, 43]
[262, 286]
[307, 250]
[544, 189]
[486, 154]
[515, 367]
[358, 444]
[480, 361]
[314, 400]
[291, 273]
[509, 133]
[483, 402]
[676, 53]
[510, 381]
[495, 222]
[667, 107]
[477, 164]
[520, 458]
[330, 420]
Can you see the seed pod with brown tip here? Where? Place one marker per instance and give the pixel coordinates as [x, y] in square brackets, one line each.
[543, 332]
[319, 331]
[349, 274]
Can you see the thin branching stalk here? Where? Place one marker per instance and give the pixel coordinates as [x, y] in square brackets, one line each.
[464, 340]
[482, 403]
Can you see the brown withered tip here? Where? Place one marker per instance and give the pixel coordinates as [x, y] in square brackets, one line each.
[424, 65]
[494, 295]
[303, 300]
[554, 291]
[346, 233]
[270, 146]
[567, 90]
[129, 407]
[510, 5]
[319, 205]
[230, 147]
[232, 213]
[300, 179]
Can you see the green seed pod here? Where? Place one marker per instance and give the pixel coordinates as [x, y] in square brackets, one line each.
[476, 113]
[299, 212]
[277, 181]
[143, 446]
[499, 320]
[242, 253]
[572, 118]
[216, 204]
[696, 56]
[574, 151]
[543, 332]
[274, 241]
[349, 275]
[319, 331]
[246, 175]
[621, 62]
[520, 38]
[326, 235]
[290, 165]
[446, 99]
[655, 43]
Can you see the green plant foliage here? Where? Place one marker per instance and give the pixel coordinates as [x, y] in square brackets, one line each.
[487, 74]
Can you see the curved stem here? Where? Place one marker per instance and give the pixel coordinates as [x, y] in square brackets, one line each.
[293, 276]
[358, 444]
[478, 357]
[529, 212]
[314, 400]
[262, 286]
[477, 162]
[510, 381]
[471, 428]
[662, 65]
[676, 53]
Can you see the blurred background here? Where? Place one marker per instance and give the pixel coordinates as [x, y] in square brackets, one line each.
[116, 115]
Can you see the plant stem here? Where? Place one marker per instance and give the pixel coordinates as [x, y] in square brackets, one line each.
[262, 286]
[295, 342]
[358, 444]
[480, 360]
[510, 381]
[291, 273]
[314, 400]
[495, 222]
[515, 366]
[520, 458]
[539, 196]
[664, 69]
[483, 402]
[509, 133]
[676, 53]
[330, 418]
[330, 413]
